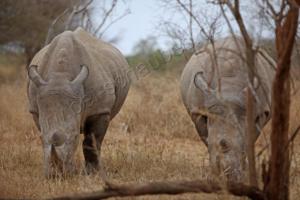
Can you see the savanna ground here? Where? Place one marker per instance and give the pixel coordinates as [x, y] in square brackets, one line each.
[152, 138]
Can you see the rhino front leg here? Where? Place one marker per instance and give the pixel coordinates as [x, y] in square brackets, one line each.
[95, 129]
[35, 117]
[200, 122]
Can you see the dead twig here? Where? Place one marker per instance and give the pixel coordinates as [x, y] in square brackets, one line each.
[51, 27]
[107, 14]
[293, 136]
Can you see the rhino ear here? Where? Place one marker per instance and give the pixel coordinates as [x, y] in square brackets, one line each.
[82, 76]
[34, 76]
[199, 81]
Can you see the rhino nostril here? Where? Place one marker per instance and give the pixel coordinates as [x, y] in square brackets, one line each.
[267, 113]
[57, 139]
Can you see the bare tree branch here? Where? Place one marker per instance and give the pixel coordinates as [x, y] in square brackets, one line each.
[291, 139]
[107, 14]
[75, 11]
[84, 7]
[293, 136]
[113, 22]
[271, 8]
[191, 25]
[251, 104]
[51, 27]
[195, 18]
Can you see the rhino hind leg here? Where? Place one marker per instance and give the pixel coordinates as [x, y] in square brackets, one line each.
[94, 132]
[201, 126]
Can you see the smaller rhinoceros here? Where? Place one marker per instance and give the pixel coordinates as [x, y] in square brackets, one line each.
[213, 92]
[77, 83]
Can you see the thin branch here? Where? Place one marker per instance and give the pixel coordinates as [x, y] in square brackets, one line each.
[237, 15]
[231, 31]
[50, 30]
[294, 134]
[88, 24]
[271, 8]
[107, 14]
[251, 104]
[191, 25]
[76, 10]
[291, 139]
[84, 7]
[195, 18]
[127, 12]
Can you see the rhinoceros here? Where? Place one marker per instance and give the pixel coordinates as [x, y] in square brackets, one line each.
[77, 84]
[213, 90]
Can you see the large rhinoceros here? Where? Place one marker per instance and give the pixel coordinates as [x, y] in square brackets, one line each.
[213, 92]
[77, 84]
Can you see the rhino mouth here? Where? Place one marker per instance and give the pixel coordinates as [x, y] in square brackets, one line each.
[56, 162]
[233, 175]
[55, 166]
[58, 167]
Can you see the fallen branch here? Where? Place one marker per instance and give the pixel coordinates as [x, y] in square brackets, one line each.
[169, 188]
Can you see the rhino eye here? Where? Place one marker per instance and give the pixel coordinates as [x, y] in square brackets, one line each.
[224, 146]
[217, 109]
[240, 111]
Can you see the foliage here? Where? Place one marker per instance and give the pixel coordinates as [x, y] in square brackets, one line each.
[147, 53]
[26, 23]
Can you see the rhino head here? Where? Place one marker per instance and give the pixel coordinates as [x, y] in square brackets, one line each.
[227, 141]
[226, 127]
[59, 101]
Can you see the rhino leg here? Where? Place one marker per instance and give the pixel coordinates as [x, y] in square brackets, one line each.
[201, 126]
[35, 117]
[94, 132]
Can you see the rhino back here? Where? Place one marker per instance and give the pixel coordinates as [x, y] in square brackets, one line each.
[231, 76]
[193, 98]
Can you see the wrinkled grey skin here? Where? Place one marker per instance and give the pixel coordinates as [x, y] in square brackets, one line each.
[216, 101]
[77, 83]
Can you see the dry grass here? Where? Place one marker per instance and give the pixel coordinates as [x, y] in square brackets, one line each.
[152, 138]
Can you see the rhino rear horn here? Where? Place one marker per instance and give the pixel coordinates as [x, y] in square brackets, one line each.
[82, 76]
[34, 76]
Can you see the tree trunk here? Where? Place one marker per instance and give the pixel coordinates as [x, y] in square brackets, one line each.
[277, 186]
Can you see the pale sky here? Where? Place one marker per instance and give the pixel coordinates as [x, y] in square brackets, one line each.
[139, 24]
[145, 16]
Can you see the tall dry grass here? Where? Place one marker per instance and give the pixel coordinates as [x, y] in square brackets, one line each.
[152, 138]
